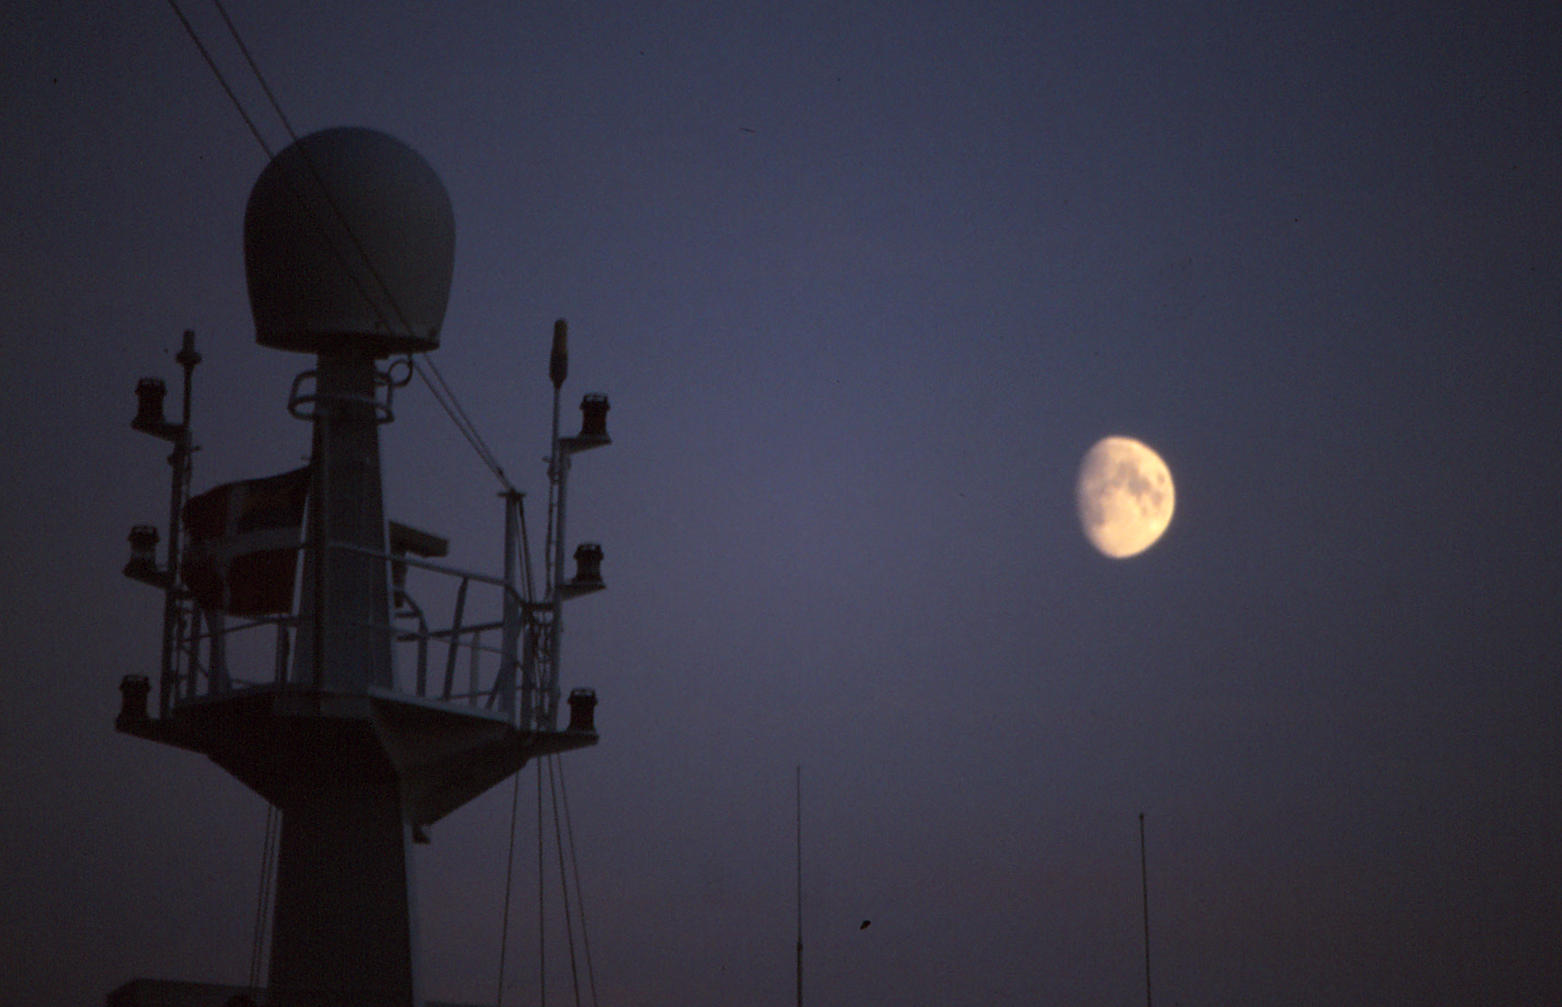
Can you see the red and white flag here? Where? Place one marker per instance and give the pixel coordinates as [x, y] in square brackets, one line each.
[242, 550]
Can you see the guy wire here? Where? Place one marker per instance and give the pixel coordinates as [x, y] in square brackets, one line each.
[442, 392]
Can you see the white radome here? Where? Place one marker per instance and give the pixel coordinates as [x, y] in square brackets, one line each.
[1125, 496]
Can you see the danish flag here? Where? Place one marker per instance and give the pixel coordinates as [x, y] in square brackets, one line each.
[242, 550]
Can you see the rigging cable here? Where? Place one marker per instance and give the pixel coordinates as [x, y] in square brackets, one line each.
[268, 865]
[509, 868]
[542, 943]
[558, 844]
[255, 69]
[447, 400]
[325, 191]
[237, 104]
[440, 388]
[580, 898]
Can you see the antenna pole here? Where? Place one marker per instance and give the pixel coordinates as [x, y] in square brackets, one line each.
[180, 462]
[558, 467]
[799, 806]
[1144, 889]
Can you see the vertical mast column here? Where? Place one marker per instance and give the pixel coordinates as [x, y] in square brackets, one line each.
[344, 642]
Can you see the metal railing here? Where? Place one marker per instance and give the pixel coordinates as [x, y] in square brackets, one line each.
[462, 659]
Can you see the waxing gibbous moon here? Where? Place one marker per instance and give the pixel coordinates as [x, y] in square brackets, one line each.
[1125, 496]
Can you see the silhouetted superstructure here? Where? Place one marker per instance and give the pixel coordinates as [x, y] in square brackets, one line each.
[347, 710]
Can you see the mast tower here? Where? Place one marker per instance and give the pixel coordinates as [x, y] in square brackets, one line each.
[349, 246]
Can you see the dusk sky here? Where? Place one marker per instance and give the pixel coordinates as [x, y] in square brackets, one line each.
[863, 282]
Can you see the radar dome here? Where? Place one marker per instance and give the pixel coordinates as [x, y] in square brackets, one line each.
[349, 241]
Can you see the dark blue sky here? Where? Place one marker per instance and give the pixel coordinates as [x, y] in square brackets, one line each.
[864, 282]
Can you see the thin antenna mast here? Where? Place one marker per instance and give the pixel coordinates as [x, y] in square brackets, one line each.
[799, 886]
[1144, 889]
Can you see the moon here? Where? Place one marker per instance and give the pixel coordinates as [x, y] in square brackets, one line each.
[1125, 496]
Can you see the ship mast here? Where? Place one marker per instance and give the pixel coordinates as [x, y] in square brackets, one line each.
[349, 241]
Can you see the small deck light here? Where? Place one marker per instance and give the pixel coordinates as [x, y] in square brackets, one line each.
[582, 710]
[143, 553]
[588, 565]
[593, 416]
[133, 690]
[150, 393]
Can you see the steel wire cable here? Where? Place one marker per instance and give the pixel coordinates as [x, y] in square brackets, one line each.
[558, 845]
[580, 897]
[221, 80]
[509, 868]
[438, 387]
[268, 863]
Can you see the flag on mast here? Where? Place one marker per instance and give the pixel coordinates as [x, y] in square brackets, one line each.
[242, 551]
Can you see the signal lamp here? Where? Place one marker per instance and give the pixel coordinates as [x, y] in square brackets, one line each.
[143, 554]
[133, 690]
[593, 416]
[582, 710]
[588, 565]
[150, 393]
